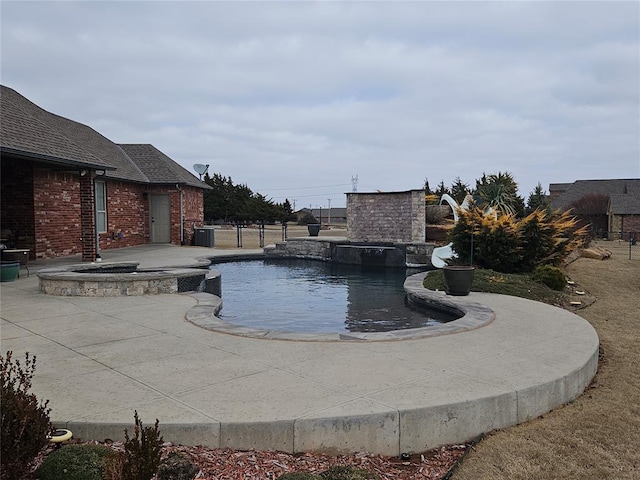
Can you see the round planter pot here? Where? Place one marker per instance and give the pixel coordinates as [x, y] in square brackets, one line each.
[9, 271]
[458, 279]
[314, 229]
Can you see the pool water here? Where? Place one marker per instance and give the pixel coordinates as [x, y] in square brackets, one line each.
[307, 296]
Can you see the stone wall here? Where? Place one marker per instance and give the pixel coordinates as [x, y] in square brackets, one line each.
[386, 217]
[624, 225]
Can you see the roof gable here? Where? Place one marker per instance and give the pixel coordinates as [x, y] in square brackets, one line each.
[624, 204]
[158, 167]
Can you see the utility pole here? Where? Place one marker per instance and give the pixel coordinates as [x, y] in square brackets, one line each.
[329, 216]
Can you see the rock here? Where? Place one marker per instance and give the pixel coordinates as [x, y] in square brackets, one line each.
[597, 253]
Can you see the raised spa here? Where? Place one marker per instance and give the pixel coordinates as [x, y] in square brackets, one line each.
[123, 279]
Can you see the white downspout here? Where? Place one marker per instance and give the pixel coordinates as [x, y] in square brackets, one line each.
[181, 214]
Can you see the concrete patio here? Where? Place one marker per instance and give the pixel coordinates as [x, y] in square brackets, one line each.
[100, 358]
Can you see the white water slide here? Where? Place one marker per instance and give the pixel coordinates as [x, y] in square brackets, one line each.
[440, 255]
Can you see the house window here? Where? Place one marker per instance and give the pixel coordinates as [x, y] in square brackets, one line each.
[101, 206]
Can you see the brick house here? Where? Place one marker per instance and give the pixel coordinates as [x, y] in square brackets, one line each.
[66, 189]
[621, 216]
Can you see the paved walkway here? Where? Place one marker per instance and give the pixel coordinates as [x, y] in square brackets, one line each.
[98, 359]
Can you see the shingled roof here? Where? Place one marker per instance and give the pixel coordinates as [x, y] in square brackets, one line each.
[158, 168]
[26, 130]
[580, 188]
[624, 204]
[31, 132]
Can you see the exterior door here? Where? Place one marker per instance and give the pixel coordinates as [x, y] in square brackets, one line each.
[160, 211]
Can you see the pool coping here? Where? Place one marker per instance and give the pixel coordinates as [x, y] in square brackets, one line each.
[474, 315]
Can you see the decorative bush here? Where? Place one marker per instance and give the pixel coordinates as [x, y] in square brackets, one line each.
[76, 462]
[551, 276]
[177, 467]
[25, 421]
[306, 217]
[505, 244]
[142, 452]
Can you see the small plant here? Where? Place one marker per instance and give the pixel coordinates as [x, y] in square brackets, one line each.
[76, 462]
[306, 217]
[347, 473]
[551, 276]
[299, 476]
[142, 451]
[177, 467]
[25, 420]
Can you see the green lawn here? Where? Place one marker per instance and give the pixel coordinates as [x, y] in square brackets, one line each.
[517, 285]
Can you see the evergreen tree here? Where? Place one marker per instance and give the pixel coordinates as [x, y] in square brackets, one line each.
[459, 190]
[500, 192]
[427, 188]
[538, 200]
[442, 189]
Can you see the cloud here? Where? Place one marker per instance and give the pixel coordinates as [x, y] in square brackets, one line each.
[311, 93]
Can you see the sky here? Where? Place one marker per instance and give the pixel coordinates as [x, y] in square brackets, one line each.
[298, 99]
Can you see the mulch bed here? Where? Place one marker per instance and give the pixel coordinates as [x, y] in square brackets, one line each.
[227, 464]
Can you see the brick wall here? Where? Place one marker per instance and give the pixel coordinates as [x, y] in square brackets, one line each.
[386, 217]
[127, 215]
[56, 213]
[193, 205]
[44, 208]
[625, 224]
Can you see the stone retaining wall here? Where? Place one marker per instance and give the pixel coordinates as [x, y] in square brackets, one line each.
[78, 280]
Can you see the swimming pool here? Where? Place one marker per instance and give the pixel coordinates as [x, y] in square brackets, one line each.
[307, 296]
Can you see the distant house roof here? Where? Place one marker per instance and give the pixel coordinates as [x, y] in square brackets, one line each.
[31, 132]
[580, 188]
[624, 204]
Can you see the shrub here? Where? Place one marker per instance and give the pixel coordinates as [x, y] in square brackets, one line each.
[551, 276]
[75, 462]
[142, 452]
[306, 217]
[177, 467]
[25, 420]
[506, 244]
[347, 473]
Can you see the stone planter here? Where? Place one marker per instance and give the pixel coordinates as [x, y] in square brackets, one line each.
[458, 279]
[314, 229]
[9, 271]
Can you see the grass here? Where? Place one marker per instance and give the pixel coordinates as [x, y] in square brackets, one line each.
[517, 285]
[598, 435]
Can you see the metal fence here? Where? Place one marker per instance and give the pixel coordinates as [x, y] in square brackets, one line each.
[632, 237]
[258, 236]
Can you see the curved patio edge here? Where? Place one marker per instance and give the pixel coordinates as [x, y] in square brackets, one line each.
[388, 397]
[390, 432]
[500, 385]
